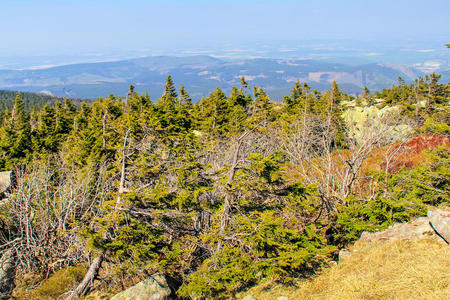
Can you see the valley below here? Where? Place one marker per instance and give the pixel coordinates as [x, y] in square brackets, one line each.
[202, 74]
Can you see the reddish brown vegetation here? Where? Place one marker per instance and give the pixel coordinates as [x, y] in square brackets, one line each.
[396, 156]
[409, 154]
[401, 155]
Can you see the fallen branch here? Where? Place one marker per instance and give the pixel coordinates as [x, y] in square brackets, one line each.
[88, 281]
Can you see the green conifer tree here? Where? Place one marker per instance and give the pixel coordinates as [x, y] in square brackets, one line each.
[17, 135]
[260, 109]
[185, 100]
[212, 114]
[169, 97]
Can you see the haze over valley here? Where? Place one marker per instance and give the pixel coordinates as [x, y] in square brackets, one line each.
[275, 67]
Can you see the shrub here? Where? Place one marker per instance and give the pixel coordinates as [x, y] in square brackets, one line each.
[400, 197]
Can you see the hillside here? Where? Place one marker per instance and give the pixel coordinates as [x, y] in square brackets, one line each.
[201, 74]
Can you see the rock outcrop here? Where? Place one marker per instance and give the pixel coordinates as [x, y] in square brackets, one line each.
[418, 229]
[440, 221]
[157, 287]
[435, 226]
[7, 274]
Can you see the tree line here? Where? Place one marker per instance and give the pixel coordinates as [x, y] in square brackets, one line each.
[32, 100]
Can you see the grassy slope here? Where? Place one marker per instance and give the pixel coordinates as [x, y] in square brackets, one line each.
[394, 270]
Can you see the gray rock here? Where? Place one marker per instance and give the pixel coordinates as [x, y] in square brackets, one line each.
[332, 263]
[157, 287]
[6, 181]
[7, 274]
[249, 297]
[440, 221]
[435, 226]
[344, 254]
[418, 229]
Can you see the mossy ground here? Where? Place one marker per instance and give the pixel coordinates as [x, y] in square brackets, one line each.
[52, 288]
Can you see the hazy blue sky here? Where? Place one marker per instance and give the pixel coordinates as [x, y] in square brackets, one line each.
[30, 27]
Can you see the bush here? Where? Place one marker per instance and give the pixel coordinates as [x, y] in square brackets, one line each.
[402, 196]
[270, 234]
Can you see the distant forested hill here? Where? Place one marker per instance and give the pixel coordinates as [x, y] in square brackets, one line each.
[31, 99]
[201, 74]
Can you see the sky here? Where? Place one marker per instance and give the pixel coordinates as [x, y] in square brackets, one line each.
[50, 27]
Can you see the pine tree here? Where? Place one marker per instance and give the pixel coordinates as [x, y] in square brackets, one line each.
[69, 106]
[17, 138]
[212, 114]
[244, 84]
[19, 115]
[260, 109]
[238, 104]
[296, 93]
[185, 100]
[47, 129]
[169, 97]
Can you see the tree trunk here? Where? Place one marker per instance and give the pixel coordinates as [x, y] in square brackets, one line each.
[225, 216]
[88, 281]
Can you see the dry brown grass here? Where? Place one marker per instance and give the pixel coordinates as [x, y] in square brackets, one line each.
[394, 270]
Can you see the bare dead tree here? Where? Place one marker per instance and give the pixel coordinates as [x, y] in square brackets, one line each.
[225, 215]
[88, 281]
[374, 134]
[308, 145]
[48, 198]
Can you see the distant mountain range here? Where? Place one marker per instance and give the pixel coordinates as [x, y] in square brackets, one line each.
[200, 75]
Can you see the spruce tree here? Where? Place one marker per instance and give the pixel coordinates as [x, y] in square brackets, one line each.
[185, 100]
[260, 109]
[19, 115]
[47, 129]
[296, 93]
[212, 114]
[169, 96]
[18, 136]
